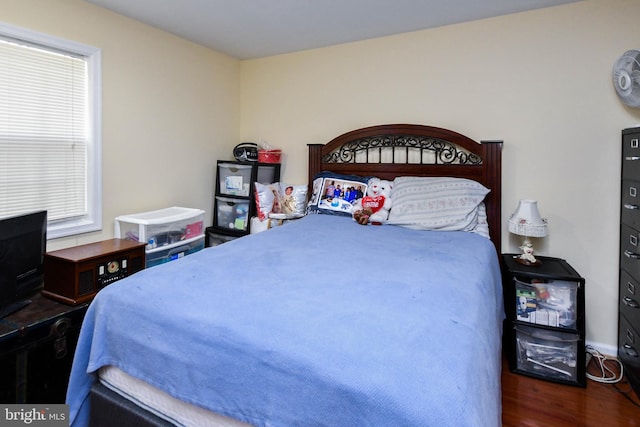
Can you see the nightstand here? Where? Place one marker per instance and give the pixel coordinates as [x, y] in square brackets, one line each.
[544, 333]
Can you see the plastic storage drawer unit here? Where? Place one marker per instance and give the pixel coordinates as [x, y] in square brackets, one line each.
[167, 232]
[234, 194]
[164, 226]
[544, 333]
[546, 353]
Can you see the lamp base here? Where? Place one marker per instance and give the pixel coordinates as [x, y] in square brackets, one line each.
[526, 257]
[528, 263]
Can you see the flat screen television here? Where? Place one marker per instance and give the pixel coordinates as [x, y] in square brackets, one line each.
[23, 240]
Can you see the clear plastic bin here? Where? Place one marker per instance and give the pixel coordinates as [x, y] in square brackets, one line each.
[161, 227]
[172, 252]
[552, 303]
[547, 353]
[232, 214]
[218, 239]
[234, 179]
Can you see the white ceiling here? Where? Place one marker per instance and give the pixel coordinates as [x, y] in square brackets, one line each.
[248, 29]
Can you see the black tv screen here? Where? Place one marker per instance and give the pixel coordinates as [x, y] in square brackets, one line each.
[23, 240]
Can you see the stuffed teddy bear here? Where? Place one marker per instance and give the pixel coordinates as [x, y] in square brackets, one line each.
[374, 207]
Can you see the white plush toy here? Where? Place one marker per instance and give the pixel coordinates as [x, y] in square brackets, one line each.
[375, 206]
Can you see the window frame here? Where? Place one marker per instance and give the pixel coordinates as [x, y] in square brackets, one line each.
[92, 221]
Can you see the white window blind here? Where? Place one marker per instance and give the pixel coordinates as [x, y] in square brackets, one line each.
[47, 135]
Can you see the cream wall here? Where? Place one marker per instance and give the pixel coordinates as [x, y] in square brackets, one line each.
[539, 80]
[170, 108]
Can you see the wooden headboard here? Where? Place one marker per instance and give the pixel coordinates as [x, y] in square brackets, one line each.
[389, 151]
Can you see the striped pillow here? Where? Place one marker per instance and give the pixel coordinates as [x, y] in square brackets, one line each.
[441, 203]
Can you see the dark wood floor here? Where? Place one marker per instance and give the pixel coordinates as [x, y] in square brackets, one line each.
[535, 403]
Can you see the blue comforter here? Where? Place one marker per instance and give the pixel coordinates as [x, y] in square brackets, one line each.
[318, 322]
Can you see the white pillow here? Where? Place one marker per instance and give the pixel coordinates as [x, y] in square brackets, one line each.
[438, 203]
[265, 196]
[281, 198]
[482, 225]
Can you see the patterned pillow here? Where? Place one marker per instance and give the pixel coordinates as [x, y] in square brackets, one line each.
[482, 225]
[441, 203]
[286, 200]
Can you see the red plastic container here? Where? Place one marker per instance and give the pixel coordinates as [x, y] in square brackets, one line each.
[269, 156]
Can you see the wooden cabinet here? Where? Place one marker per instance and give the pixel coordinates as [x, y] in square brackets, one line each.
[75, 275]
[629, 290]
[544, 328]
[234, 204]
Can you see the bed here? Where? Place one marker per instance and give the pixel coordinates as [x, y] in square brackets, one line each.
[321, 321]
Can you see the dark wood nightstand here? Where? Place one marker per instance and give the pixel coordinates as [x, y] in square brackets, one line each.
[37, 345]
[544, 333]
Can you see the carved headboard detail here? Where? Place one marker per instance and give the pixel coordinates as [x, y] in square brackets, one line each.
[389, 151]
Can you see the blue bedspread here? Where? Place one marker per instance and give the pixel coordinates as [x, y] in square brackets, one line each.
[318, 322]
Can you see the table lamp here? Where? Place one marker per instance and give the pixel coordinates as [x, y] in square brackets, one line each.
[526, 221]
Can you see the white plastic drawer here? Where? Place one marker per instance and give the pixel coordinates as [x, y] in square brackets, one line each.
[234, 179]
[160, 227]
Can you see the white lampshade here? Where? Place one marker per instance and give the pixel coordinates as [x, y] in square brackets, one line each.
[526, 220]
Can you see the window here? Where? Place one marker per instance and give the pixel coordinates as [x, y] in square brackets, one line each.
[50, 147]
